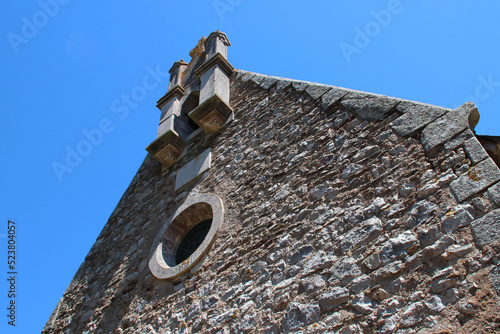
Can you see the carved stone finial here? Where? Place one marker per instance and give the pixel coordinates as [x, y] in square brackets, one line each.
[198, 50]
[220, 35]
[217, 42]
[176, 73]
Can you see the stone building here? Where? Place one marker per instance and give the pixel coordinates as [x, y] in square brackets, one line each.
[269, 205]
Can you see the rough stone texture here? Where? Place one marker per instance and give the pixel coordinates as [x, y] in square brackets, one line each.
[486, 229]
[459, 216]
[316, 91]
[267, 82]
[334, 222]
[459, 140]
[494, 194]
[495, 279]
[332, 97]
[448, 126]
[475, 180]
[368, 230]
[299, 315]
[368, 107]
[334, 298]
[475, 151]
[415, 117]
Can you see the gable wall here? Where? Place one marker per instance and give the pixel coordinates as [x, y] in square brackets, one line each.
[332, 222]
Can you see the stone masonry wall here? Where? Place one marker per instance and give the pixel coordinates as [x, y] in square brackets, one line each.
[346, 212]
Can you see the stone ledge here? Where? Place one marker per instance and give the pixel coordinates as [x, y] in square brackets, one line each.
[177, 91]
[217, 60]
[168, 148]
[212, 114]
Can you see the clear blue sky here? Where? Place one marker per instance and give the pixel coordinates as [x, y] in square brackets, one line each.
[68, 66]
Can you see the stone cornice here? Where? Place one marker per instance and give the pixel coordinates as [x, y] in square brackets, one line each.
[177, 91]
[218, 59]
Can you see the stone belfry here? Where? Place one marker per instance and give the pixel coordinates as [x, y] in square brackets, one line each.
[206, 98]
[270, 205]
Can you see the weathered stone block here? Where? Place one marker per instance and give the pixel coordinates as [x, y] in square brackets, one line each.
[475, 180]
[494, 194]
[193, 168]
[360, 284]
[373, 261]
[247, 76]
[421, 213]
[413, 315]
[351, 170]
[368, 107]
[435, 304]
[415, 117]
[334, 298]
[300, 86]
[332, 97]
[475, 151]
[363, 304]
[460, 216]
[299, 315]
[456, 251]
[344, 270]
[316, 91]
[449, 125]
[282, 85]
[389, 270]
[311, 285]
[486, 229]
[398, 246]
[267, 82]
[459, 140]
[299, 254]
[366, 152]
[495, 279]
[257, 79]
[439, 247]
[441, 285]
[363, 234]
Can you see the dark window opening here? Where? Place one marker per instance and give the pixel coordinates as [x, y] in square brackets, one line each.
[192, 240]
[192, 125]
[192, 101]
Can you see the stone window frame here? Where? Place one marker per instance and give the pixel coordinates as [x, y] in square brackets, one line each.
[191, 212]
